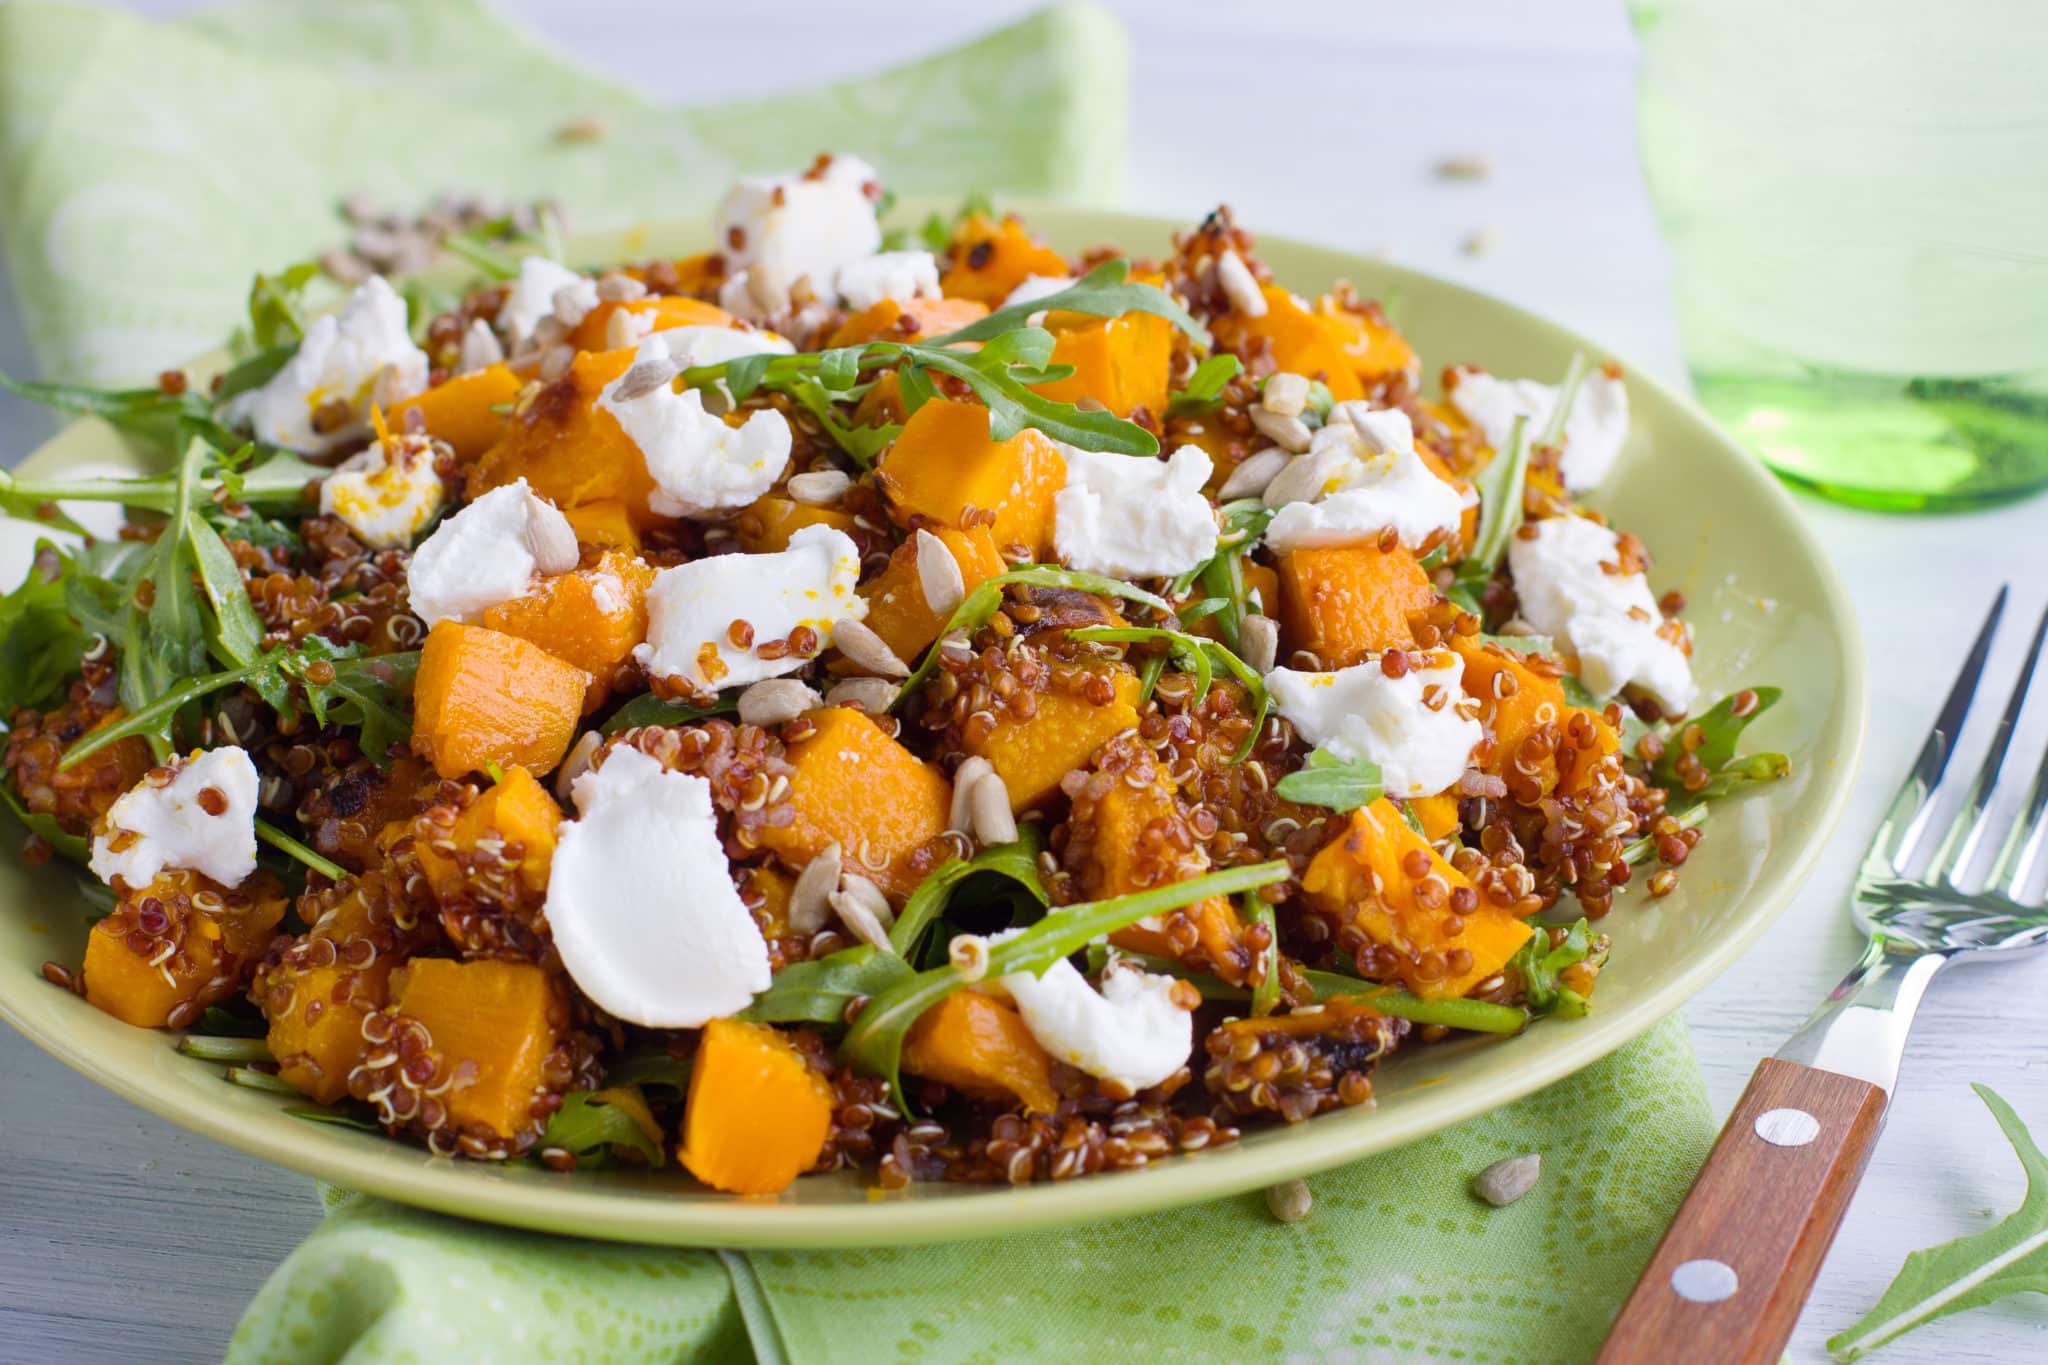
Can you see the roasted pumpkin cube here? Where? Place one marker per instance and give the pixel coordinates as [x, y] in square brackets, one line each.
[992, 256]
[491, 1024]
[1375, 350]
[981, 1047]
[857, 787]
[661, 312]
[1031, 756]
[1299, 340]
[766, 892]
[1120, 362]
[345, 816]
[1438, 815]
[908, 320]
[757, 1115]
[569, 450]
[1518, 704]
[483, 697]
[1382, 876]
[1344, 603]
[606, 525]
[1138, 837]
[513, 821]
[467, 411]
[590, 617]
[765, 525]
[946, 468]
[897, 609]
[179, 944]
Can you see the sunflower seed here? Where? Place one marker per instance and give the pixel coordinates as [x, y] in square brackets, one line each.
[972, 769]
[644, 378]
[1502, 1183]
[820, 487]
[1239, 285]
[1250, 478]
[480, 350]
[1289, 1201]
[938, 573]
[549, 538]
[872, 695]
[989, 800]
[775, 701]
[810, 898]
[1285, 394]
[618, 288]
[1301, 481]
[864, 909]
[625, 328]
[1259, 638]
[556, 362]
[1291, 434]
[865, 649]
[576, 763]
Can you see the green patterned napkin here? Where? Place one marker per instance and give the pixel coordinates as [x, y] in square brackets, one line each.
[146, 169]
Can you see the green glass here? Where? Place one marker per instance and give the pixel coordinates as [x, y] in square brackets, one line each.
[1855, 193]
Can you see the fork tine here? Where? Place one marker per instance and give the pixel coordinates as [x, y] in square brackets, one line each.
[1914, 805]
[1967, 831]
[2021, 853]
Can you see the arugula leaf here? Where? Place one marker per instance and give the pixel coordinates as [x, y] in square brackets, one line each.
[298, 852]
[819, 991]
[150, 415]
[276, 315]
[1199, 656]
[1012, 405]
[1500, 486]
[1205, 386]
[253, 373]
[648, 709]
[1341, 784]
[488, 247]
[1017, 861]
[40, 642]
[338, 1118]
[1969, 1272]
[863, 444]
[70, 847]
[1102, 293]
[1720, 729]
[591, 1129]
[875, 1041]
[1640, 851]
[278, 482]
[1256, 909]
[650, 1065]
[1542, 969]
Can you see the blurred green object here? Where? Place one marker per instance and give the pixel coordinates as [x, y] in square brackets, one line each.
[1855, 197]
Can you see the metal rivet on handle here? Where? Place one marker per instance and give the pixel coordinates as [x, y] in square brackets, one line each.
[1705, 1281]
[1787, 1127]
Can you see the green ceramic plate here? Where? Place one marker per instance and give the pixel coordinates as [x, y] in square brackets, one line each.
[1766, 608]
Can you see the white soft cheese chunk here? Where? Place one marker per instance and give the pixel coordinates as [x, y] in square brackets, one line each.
[1130, 1031]
[641, 902]
[898, 275]
[1608, 620]
[698, 343]
[543, 289]
[174, 827]
[699, 464]
[100, 520]
[779, 231]
[362, 354]
[1418, 727]
[1594, 432]
[691, 609]
[483, 555]
[1132, 517]
[386, 493]
[1371, 478]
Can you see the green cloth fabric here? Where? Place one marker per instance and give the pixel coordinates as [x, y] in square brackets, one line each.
[146, 169]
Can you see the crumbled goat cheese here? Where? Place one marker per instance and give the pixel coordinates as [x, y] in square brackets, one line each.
[1610, 621]
[203, 819]
[1130, 1032]
[699, 464]
[1594, 433]
[488, 553]
[780, 232]
[1419, 728]
[361, 355]
[544, 289]
[695, 344]
[385, 493]
[1134, 518]
[641, 903]
[1036, 287]
[694, 609]
[898, 275]
[1370, 477]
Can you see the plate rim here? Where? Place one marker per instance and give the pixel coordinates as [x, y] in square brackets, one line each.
[636, 1215]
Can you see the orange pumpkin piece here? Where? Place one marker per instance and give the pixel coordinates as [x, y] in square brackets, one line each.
[1299, 340]
[1343, 603]
[514, 813]
[607, 525]
[484, 697]
[1375, 350]
[463, 411]
[179, 944]
[590, 617]
[981, 1047]
[765, 525]
[1127, 853]
[568, 449]
[857, 787]
[766, 893]
[493, 1021]
[1437, 814]
[1031, 756]
[897, 610]
[663, 311]
[1363, 877]
[1121, 362]
[991, 257]
[757, 1115]
[1515, 701]
[946, 468]
[908, 320]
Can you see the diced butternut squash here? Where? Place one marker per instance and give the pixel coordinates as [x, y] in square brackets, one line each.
[1382, 876]
[515, 812]
[607, 525]
[1121, 363]
[1374, 349]
[1031, 756]
[466, 411]
[1344, 603]
[908, 320]
[1300, 341]
[767, 892]
[1437, 814]
[316, 1040]
[662, 311]
[345, 816]
[492, 1022]
[993, 256]
[945, 467]
[1515, 702]
[765, 525]
[981, 1047]
[484, 697]
[857, 787]
[1468, 520]
[757, 1116]
[897, 609]
[1138, 839]
[590, 617]
[179, 944]
[569, 450]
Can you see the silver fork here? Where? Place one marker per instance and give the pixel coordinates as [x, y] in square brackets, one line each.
[1733, 1271]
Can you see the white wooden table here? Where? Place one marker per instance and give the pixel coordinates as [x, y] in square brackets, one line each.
[123, 1238]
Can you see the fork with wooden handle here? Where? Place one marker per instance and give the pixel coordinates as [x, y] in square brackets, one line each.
[1727, 1282]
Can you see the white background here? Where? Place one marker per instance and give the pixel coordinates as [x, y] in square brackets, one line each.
[124, 1238]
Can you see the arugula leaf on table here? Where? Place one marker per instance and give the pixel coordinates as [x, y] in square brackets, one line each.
[819, 991]
[1018, 861]
[1326, 779]
[1542, 968]
[1969, 1272]
[1205, 386]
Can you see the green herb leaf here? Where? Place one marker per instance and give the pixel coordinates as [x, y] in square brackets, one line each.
[1017, 861]
[593, 1131]
[255, 372]
[1102, 293]
[1199, 656]
[40, 642]
[1720, 729]
[298, 852]
[276, 311]
[1205, 386]
[277, 482]
[648, 709]
[1640, 851]
[863, 444]
[334, 1117]
[819, 991]
[1969, 1272]
[1256, 909]
[1341, 784]
[489, 248]
[71, 847]
[218, 1049]
[1500, 486]
[1542, 967]
[1013, 406]
[1474, 1016]
[150, 415]
[650, 1065]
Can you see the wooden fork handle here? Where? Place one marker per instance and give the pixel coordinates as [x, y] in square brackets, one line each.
[1735, 1267]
